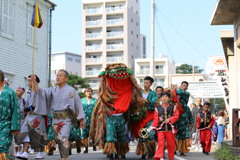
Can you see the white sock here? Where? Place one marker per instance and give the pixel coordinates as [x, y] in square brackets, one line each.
[26, 139]
[40, 153]
[25, 154]
[21, 148]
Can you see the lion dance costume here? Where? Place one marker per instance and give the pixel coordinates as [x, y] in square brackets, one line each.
[118, 91]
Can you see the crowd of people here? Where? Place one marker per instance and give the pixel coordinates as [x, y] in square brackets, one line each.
[56, 116]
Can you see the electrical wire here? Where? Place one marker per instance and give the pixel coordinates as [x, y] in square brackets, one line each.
[180, 34]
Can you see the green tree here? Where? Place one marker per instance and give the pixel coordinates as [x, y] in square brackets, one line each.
[77, 83]
[187, 69]
[217, 105]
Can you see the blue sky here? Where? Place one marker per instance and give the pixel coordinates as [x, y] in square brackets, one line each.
[183, 30]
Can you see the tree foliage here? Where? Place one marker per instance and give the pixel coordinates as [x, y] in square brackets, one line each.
[77, 83]
[217, 105]
[187, 69]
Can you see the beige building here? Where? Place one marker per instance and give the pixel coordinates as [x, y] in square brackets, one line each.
[111, 34]
[228, 13]
[163, 67]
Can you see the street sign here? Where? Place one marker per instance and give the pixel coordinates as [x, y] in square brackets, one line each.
[206, 89]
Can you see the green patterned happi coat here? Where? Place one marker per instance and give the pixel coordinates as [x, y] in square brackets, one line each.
[50, 128]
[10, 118]
[185, 119]
[75, 134]
[88, 109]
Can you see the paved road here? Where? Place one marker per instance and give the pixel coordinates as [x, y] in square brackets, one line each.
[193, 155]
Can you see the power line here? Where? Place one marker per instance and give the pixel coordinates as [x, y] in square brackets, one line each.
[189, 25]
[181, 35]
[165, 40]
[193, 27]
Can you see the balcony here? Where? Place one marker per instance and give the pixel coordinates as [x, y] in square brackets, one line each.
[93, 35]
[93, 60]
[93, 23]
[114, 21]
[114, 59]
[114, 46]
[93, 11]
[115, 34]
[144, 71]
[155, 84]
[94, 85]
[158, 71]
[93, 73]
[114, 9]
[93, 48]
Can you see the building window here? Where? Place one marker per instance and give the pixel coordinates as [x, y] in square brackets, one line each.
[144, 47]
[132, 44]
[77, 60]
[7, 17]
[30, 27]
[159, 69]
[132, 56]
[132, 20]
[137, 12]
[132, 8]
[137, 24]
[137, 35]
[144, 67]
[132, 32]
[69, 59]
[159, 81]
[76, 73]
[137, 47]
[136, 1]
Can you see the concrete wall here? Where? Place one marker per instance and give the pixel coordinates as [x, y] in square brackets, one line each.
[133, 33]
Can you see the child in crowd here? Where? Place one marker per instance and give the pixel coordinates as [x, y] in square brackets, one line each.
[204, 124]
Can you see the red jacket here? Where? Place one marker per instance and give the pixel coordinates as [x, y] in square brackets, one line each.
[172, 119]
[198, 123]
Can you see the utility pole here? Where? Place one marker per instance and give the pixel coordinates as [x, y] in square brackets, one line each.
[152, 65]
[193, 71]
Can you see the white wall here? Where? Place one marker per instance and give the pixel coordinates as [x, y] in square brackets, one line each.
[168, 68]
[16, 54]
[60, 61]
[74, 67]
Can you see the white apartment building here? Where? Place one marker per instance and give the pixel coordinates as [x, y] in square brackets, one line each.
[111, 34]
[16, 41]
[71, 62]
[163, 68]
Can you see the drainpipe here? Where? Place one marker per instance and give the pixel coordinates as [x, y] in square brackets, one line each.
[50, 46]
